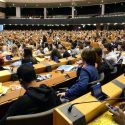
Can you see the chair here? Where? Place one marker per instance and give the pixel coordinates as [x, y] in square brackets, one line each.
[114, 70]
[45, 118]
[101, 78]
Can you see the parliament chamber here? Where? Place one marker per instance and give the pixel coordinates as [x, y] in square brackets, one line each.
[62, 62]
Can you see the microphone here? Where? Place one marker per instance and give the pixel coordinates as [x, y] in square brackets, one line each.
[71, 106]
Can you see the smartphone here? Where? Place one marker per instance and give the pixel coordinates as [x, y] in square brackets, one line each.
[113, 109]
[96, 90]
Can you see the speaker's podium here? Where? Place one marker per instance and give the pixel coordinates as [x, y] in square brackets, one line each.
[81, 114]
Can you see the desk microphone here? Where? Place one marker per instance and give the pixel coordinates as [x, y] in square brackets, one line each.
[71, 106]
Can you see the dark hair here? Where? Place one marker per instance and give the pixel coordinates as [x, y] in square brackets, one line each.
[88, 43]
[56, 53]
[123, 46]
[1, 60]
[89, 56]
[98, 51]
[81, 46]
[26, 73]
[108, 46]
[27, 52]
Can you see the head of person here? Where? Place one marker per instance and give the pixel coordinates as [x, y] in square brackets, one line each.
[4, 48]
[14, 49]
[123, 46]
[81, 46]
[26, 75]
[88, 56]
[107, 48]
[27, 52]
[88, 43]
[119, 47]
[1, 60]
[98, 52]
[55, 53]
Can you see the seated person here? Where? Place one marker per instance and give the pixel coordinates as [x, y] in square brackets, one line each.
[36, 99]
[87, 73]
[109, 54]
[119, 116]
[1, 62]
[28, 57]
[55, 53]
[66, 53]
[103, 65]
[15, 51]
[45, 48]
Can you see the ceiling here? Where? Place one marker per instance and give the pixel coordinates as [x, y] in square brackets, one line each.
[57, 3]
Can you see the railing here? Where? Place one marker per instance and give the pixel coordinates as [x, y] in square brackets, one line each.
[69, 16]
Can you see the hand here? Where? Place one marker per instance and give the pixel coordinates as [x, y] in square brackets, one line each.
[122, 106]
[61, 94]
[119, 116]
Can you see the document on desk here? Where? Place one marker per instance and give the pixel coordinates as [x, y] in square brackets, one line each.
[17, 63]
[67, 68]
[105, 119]
[123, 60]
[3, 90]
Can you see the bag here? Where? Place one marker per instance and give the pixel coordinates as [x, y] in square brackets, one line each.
[14, 77]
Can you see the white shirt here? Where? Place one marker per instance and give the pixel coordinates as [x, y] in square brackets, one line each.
[111, 56]
[46, 50]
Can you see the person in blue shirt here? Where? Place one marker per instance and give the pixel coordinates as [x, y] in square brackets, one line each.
[86, 73]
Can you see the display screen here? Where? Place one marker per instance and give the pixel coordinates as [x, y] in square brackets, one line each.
[1, 27]
[97, 91]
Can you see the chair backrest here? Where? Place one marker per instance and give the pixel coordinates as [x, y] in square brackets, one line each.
[45, 118]
[101, 78]
[114, 70]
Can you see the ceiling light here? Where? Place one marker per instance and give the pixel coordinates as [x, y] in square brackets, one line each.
[115, 23]
[2, 0]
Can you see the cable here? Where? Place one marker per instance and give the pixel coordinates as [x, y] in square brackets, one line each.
[71, 106]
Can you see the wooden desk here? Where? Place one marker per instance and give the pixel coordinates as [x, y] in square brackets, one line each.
[14, 59]
[57, 78]
[104, 119]
[90, 110]
[38, 57]
[39, 68]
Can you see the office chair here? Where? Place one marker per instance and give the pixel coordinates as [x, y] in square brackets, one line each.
[44, 118]
[101, 78]
[114, 70]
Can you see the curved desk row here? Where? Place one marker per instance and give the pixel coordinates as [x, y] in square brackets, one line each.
[40, 67]
[83, 113]
[14, 59]
[57, 78]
